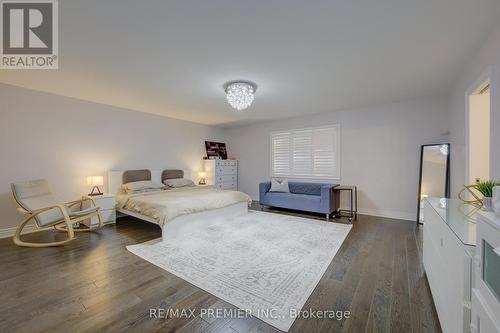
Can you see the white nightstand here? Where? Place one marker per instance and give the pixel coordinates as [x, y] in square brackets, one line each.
[107, 202]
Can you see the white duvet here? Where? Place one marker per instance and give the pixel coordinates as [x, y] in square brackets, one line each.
[166, 205]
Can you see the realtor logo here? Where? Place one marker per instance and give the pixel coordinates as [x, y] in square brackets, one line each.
[29, 34]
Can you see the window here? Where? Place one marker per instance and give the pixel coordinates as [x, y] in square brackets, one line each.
[306, 153]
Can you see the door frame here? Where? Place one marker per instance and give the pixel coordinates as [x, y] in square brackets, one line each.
[486, 75]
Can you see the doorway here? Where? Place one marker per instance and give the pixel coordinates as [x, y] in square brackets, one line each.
[478, 133]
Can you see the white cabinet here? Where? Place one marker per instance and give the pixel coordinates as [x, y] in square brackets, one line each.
[448, 249]
[486, 288]
[107, 203]
[222, 174]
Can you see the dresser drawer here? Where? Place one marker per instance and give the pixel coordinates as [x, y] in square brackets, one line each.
[225, 170]
[104, 203]
[108, 216]
[226, 178]
[226, 186]
[226, 163]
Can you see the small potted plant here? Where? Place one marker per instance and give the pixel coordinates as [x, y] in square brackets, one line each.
[486, 189]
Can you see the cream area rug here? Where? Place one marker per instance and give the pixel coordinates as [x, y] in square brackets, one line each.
[263, 263]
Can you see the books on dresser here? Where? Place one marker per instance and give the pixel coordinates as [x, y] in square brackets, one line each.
[222, 174]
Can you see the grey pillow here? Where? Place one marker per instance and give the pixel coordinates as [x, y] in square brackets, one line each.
[279, 185]
[142, 186]
[179, 182]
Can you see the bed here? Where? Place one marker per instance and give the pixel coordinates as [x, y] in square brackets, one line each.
[178, 209]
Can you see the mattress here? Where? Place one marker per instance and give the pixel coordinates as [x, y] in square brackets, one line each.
[165, 205]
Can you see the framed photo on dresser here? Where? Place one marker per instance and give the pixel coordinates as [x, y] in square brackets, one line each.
[216, 149]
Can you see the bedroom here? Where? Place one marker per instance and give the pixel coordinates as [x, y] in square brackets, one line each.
[359, 87]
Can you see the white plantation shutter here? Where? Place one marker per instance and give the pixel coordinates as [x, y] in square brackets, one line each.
[281, 146]
[306, 153]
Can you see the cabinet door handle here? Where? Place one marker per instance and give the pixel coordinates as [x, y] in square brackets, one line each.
[442, 242]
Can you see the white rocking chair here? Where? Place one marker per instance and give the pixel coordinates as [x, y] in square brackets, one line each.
[37, 201]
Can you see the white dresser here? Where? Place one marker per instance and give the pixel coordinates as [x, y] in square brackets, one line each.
[448, 250]
[222, 174]
[107, 202]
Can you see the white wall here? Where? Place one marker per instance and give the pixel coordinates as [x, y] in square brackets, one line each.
[379, 144]
[380, 151]
[487, 57]
[65, 139]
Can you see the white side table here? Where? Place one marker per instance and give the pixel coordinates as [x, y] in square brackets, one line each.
[107, 203]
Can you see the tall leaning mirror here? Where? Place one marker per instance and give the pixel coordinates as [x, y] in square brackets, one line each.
[434, 175]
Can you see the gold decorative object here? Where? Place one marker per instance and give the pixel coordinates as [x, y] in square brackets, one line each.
[476, 201]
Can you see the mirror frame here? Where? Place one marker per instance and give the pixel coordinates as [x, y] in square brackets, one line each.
[447, 180]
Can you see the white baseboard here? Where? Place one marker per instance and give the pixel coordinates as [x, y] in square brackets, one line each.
[9, 232]
[391, 214]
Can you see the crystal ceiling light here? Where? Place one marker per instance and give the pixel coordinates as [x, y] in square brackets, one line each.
[240, 94]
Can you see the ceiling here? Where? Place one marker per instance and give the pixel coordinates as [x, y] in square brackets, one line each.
[172, 57]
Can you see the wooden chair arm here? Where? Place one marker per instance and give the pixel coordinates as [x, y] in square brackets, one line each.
[83, 199]
[22, 210]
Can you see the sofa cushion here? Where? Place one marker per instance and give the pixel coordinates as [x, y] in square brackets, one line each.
[311, 203]
[305, 188]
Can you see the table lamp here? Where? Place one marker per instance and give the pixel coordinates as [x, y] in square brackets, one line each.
[202, 175]
[95, 182]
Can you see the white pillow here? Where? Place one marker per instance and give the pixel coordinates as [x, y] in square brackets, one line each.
[142, 186]
[279, 185]
[179, 182]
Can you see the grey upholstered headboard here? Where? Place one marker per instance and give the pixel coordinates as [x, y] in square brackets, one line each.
[130, 176]
[171, 174]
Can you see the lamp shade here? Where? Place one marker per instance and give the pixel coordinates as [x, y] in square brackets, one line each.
[202, 174]
[95, 180]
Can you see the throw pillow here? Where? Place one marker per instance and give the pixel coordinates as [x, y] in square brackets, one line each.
[279, 185]
[179, 182]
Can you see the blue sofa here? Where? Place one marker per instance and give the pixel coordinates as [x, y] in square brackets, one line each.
[309, 197]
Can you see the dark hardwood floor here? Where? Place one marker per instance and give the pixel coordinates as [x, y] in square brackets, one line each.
[94, 284]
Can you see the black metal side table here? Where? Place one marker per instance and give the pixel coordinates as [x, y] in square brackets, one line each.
[352, 212]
